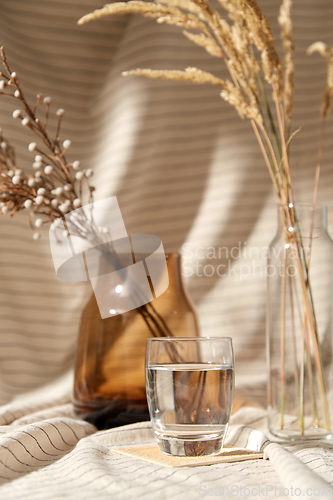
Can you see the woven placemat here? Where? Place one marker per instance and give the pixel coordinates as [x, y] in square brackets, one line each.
[152, 454]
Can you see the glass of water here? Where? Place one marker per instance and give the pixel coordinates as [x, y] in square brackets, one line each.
[190, 386]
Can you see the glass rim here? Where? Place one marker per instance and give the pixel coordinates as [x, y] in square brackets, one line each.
[304, 204]
[168, 339]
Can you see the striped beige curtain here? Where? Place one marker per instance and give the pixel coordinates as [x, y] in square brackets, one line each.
[179, 159]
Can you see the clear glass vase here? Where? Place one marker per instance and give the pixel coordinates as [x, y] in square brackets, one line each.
[299, 326]
[109, 383]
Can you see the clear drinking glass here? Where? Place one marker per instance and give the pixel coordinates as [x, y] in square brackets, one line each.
[190, 386]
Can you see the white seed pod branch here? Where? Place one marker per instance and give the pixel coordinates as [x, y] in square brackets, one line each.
[54, 188]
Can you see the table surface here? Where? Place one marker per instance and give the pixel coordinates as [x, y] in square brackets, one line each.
[46, 452]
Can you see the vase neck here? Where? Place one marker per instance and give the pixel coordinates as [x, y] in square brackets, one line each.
[174, 270]
[307, 218]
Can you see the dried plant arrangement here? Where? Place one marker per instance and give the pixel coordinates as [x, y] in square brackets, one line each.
[240, 35]
[55, 186]
[56, 192]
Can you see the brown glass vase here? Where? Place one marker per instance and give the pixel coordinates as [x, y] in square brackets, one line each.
[109, 384]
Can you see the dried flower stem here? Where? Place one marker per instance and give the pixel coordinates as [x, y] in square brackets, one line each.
[283, 337]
